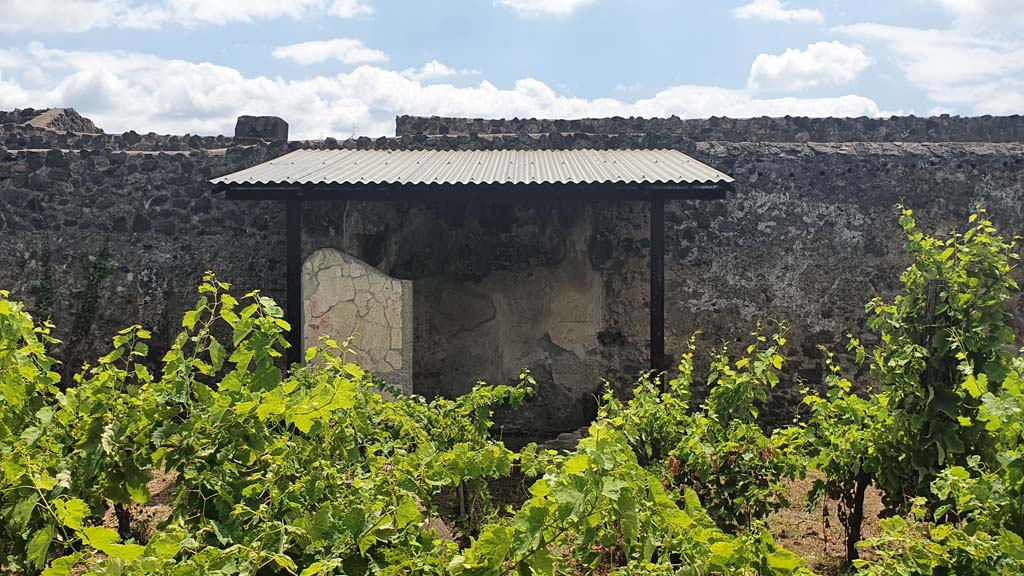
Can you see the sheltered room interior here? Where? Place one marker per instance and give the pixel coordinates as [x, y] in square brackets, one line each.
[532, 262]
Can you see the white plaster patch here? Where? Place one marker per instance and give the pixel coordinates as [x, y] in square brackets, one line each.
[347, 299]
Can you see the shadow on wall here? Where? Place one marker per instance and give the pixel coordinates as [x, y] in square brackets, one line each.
[543, 318]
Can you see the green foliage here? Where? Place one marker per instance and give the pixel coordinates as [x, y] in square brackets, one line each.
[720, 451]
[654, 421]
[270, 470]
[944, 344]
[842, 435]
[308, 472]
[912, 547]
[726, 457]
[598, 510]
[27, 373]
[313, 472]
[942, 352]
[96, 271]
[66, 455]
[981, 506]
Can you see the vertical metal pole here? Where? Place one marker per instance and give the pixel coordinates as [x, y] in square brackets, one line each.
[293, 305]
[657, 284]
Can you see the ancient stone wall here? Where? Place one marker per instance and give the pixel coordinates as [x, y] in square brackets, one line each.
[63, 119]
[101, 231]
[100, 239]
[763, 129]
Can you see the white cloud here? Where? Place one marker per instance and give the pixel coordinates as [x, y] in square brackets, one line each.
[705, 101]
[999, 96]
[194, 12]
[350, 9]
[10, 59]
[545, 7]
[978, 73]
[988, 17]
[776, 10]
[933, 57]
[347, 50]
[131, 91]
[820, 64]
[435, 70]
[82, 15]
[58, 15]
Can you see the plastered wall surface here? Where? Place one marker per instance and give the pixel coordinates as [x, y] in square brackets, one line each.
[352, 302]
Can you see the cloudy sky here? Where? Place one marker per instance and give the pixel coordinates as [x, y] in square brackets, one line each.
[344, 67]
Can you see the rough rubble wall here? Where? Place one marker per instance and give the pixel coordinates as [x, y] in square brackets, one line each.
[808, 237]
[100, 239]
[811, 235]
[65, 119]
[762, 129]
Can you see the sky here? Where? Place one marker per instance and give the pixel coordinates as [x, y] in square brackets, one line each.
[348, 67]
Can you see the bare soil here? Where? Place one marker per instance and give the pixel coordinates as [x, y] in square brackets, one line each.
[146, 518]
[816, 534]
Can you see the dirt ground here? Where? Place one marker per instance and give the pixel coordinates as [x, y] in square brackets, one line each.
[146, 518]
[817, 534]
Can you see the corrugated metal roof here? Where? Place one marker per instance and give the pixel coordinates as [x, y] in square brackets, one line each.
[468, 167]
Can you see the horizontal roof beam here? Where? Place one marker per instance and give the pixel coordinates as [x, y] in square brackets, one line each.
[475, 193]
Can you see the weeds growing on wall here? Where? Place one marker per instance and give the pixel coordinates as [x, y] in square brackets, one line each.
[45, 292]
[96, 271]
[310, 471]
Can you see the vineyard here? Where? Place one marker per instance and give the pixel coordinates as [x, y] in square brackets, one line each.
[310, 471]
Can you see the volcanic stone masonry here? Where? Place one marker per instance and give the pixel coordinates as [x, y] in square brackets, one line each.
[100, 231]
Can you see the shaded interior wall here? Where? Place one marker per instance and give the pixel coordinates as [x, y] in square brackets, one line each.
[545, 319]
[498, 288]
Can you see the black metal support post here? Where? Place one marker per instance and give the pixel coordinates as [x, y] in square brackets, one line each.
[658, 284]
[293, 273]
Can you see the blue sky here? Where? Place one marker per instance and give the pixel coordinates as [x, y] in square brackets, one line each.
[338, 67]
